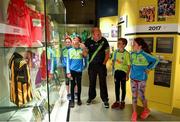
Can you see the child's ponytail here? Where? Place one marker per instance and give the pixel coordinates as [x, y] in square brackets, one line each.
[141, 42]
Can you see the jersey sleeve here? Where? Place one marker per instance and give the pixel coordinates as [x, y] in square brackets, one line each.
[68, 63]
[153, 61]
[128, 58]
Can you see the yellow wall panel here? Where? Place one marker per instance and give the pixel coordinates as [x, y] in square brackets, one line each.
[159, 97]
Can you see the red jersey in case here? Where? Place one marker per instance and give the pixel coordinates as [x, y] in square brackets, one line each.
[36, 27]
[18, 16]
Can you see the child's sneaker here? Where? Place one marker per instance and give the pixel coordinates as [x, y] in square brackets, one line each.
[134, 117]
[115, 105]
[122, 105]
[106, 104]
[79, 102]
[89, 101]
[145, 113]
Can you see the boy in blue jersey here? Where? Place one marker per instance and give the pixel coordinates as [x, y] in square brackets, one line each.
[121, 67]
[141, 63]
[75, 67]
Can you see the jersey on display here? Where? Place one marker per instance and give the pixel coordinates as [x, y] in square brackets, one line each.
[18, 16]
[20, 85]
[30, 26]
[43, 65]
[36, 26]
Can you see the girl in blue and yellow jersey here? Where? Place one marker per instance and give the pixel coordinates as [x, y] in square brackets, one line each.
[141, 63]
[75, 67]
[64, 56]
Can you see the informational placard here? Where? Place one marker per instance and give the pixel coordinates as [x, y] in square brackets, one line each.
[9, 29]
[162, 76]
[164, 44]
[106, 35]
[114, 31]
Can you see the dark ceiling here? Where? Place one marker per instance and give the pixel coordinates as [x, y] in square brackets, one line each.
[90, 10]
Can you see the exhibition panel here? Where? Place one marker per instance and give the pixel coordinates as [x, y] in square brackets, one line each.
[157, 21]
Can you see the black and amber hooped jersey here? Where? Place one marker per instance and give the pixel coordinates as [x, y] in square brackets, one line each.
[20, 85]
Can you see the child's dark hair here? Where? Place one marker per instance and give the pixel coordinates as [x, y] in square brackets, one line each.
[79, 38]
[141, 42]
[123, 40]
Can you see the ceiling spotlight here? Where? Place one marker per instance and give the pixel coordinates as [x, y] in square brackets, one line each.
[82, 3]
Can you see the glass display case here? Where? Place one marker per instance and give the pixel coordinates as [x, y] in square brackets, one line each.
[31, 77]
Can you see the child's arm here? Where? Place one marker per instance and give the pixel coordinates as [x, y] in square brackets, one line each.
[107, 54]
[68, 66]
[129, 66]
[153, 61]
[127, 74]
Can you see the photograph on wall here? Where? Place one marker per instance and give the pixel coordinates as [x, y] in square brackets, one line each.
[147, 13]
[106, 35]
[130, 44]
[166, 8]
[162, 76]
[114, 31]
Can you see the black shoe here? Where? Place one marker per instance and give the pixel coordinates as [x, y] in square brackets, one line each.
[106, 104]
[71, 104]
[88, 102]
[79, 102]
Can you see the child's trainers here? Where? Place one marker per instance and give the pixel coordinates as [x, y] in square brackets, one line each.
[145, 113]
[134, 117]
[115, 105]
[122, 105]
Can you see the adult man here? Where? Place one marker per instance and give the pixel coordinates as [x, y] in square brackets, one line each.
[98, 50]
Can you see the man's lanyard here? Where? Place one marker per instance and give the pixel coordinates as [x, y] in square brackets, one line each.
[95, 53]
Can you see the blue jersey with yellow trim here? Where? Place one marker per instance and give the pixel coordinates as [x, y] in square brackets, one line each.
[64, 55]
[140, 62]
[75, 60]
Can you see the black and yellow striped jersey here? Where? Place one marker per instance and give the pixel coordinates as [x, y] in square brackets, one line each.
[20, 85]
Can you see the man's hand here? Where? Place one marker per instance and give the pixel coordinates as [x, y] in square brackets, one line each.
[82, 45]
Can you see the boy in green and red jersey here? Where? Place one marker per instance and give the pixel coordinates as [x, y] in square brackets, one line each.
[121, 67]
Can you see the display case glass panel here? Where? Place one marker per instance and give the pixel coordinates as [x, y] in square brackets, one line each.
[30, 49]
